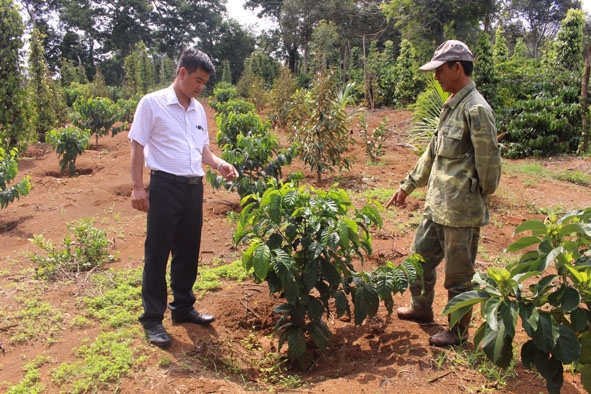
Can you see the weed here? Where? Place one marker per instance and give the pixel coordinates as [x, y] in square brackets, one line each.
[109, 358]
[88, 249]
[29, 318]
[114, 297]
[164, 362]
[476, 361]
[273, 371]
[576, 177]
[210, 277]
[31, 381]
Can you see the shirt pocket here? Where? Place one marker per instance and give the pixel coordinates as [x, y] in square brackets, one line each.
[449, 142]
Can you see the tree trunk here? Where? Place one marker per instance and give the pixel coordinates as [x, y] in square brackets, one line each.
[584, 144]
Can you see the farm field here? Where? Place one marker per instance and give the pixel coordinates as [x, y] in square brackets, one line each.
[45, 326]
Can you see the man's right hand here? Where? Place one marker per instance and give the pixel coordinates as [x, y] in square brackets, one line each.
[139, 199]
[398, 199]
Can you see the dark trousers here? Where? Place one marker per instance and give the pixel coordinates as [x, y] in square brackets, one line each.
[175, 218]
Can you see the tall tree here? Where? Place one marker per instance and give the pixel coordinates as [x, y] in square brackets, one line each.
[128, 24]
[569, 42]
[484, 68]
[297, 21]
[15, 125]
[233, 44]
[82, 19]
[183, 23]
[425, 22]
[43, 96]
[543, 19]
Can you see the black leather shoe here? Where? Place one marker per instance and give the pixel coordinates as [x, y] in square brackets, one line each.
[157, 336]
[193, 317]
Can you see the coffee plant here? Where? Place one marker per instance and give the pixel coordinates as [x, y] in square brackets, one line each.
[548, 290]
[98, 115]
[303, 242]
[8, 171]
[69, 143]
[248, 145]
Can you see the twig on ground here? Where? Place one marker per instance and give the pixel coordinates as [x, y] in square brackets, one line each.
[436, 378]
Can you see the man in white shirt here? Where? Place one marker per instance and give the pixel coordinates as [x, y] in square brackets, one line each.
[169, 135]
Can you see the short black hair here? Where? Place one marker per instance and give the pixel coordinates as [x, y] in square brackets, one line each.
[192, 59]
[468, 66]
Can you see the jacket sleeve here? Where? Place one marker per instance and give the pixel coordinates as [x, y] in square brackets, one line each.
[487, 157]
[419, 176]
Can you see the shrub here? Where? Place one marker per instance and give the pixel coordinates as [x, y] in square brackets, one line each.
[320, 124]
[549, 290]
[87, 250]
[69, 143]
[8, 171]
[302, 242]
[222, 92]
[97, 114]
[246, 142]
[373, 139]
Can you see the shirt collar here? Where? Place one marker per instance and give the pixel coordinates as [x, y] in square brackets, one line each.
[172, 99]
[459, 96]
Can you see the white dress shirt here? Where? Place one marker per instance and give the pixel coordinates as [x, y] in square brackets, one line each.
[173, 139]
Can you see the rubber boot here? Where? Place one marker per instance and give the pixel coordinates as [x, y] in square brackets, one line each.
[455, 335]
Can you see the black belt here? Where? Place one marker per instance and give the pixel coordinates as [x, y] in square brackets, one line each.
[191, 180]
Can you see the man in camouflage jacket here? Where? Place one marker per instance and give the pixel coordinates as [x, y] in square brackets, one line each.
[460, 167]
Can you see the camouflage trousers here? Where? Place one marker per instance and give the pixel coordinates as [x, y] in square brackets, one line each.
[435, 242]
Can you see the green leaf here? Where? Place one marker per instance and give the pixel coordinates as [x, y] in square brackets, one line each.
[570, 299]
[491, 309]
[580, 319]
[497, 346]
[551, 369]
[571, 228]
[296, 342]
[261, 261]
[568, 348]
[320, 335]
[585, 340]
[529, 318]
[462, 300]
[275, 213]
[529, 352]
[315, 310]
[537, 228]
[341, 303]
[330, 273]
[310, 275]
[546, 335]
[523, 243]
[283, 308]
[366, 303]
[509, 313]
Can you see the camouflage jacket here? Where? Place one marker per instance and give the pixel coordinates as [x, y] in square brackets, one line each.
[462, 164]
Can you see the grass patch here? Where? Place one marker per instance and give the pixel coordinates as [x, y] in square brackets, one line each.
[576, 177]
[104, 362]
[31, 383]
[210, 278]
[475, 360]
[114, 297]
[36, 319]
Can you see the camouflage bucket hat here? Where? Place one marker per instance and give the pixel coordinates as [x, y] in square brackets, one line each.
[450, 50]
